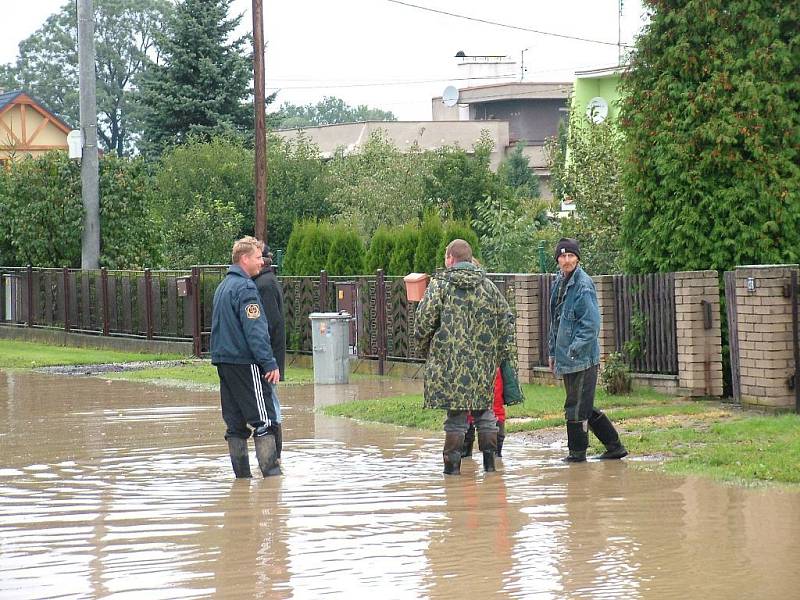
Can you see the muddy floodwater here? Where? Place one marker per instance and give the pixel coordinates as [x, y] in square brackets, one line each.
[122, 490]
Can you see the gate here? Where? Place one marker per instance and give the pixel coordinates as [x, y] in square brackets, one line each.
[795, 340]
[733, 334]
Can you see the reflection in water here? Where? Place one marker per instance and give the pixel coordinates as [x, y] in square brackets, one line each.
[114, 489]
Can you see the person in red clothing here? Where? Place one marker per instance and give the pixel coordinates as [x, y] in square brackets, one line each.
[499, 411]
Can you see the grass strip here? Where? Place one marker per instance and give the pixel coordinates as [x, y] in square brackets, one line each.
[17, 354]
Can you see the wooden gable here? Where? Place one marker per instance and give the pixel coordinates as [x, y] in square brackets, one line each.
[27, 128]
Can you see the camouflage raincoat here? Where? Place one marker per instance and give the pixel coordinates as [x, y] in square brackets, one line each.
[465, 328]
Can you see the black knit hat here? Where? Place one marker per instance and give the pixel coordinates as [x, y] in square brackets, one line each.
[565, 245]
[265, 250]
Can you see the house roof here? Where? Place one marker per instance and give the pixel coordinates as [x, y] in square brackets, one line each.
[517, 90]
[602, 72]
[7, 100]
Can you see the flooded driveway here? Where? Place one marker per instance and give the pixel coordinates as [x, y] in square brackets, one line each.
[116, 489]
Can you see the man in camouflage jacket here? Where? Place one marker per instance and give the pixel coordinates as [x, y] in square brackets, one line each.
[465, 328]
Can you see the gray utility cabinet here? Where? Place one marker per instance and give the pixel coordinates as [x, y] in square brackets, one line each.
[330, 333]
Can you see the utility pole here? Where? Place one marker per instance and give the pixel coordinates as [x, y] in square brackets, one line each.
[259, 101]
[90, 241]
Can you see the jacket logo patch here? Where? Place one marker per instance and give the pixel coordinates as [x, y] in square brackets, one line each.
[253, 311]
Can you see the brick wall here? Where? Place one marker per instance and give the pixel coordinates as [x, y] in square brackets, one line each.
[699, 349]
[766, 351]
[526, 292]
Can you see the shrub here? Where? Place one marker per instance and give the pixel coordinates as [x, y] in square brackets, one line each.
[616, 375]
[405, 246]
[315, 248]
[459, 230]
[291, 260]
[380, 249]
[346, 255]
[428, 256]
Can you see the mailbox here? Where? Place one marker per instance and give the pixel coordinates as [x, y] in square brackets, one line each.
[184, 286]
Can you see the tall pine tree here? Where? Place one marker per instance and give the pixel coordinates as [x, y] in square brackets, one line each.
[201, 87]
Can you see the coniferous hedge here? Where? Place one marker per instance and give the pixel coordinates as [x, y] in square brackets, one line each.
[314, 249]
[380, 249]
[292, 257]
[405, 246]
[711, 116]
[459, 230]
[428, 256]
[347, 255]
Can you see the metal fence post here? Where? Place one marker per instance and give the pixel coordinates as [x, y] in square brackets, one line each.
[65, 272]
[323, 291]
[104, 298]
[380, 317]
[542, 258]
[29, 285]
[148, 302]
[196, 326]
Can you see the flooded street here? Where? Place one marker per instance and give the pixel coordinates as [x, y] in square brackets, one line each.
[117, 489]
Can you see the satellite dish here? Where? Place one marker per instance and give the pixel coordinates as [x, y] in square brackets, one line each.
[450, 96]
[597, 110]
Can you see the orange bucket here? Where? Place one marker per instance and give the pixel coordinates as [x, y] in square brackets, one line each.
[416, 284]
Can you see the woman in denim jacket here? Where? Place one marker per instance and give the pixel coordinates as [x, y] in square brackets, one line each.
[574, 353]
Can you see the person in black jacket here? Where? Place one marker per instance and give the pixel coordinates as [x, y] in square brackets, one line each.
[269, 288]
[240, 349]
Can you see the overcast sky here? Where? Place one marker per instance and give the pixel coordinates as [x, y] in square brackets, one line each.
[396, 57]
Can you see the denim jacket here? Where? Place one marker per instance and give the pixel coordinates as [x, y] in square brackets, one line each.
[575, 346]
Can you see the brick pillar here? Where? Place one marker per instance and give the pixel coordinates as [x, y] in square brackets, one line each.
[766, 351]
[526, 291]
[699, 349]
[604, 284]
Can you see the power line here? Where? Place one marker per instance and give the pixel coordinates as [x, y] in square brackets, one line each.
[507, 26]
[388, 83]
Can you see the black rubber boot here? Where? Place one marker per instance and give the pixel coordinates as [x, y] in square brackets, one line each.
[266, 452]
[453, 441]
[487, 442]
[501, 435]
[277, 431]
[469, 442]
[240, 461]
[602, 427]
[577, 441]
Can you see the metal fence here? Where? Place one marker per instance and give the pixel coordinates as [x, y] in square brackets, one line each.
[176, 306]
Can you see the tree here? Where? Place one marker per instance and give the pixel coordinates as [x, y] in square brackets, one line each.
[508, 231]
[458, 180]
[711, 117]
[125, 45]
[346, 255]
[201, 87]
[327, 111]
[204, 200]
[378, 185]
[515, 172]
[380, 249]
[591, 178]
[298, 186]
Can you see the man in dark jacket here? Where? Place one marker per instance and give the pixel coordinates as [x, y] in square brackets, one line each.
[466, 329]
[269, 288]
[241, 351]
[574, 352]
